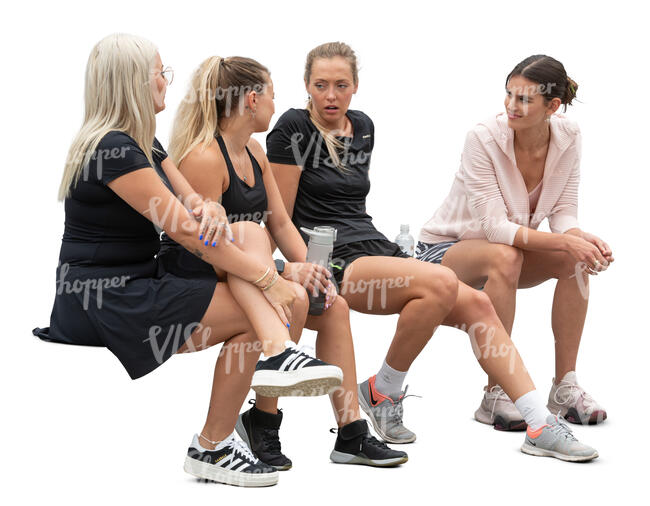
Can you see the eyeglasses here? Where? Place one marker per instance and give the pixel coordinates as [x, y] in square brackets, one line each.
[168, 74]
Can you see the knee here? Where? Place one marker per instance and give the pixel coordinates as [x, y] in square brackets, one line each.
[482, 305]
[567, 267]
[339, 308]
[505, 263]
[249, 233]
[443, 286]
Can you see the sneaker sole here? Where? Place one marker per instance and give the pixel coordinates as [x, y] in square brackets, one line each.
[305, 382]
[540, 452]
[241, 430]
[500, 423]
[213, 473]
[345, 458]
[366, 409]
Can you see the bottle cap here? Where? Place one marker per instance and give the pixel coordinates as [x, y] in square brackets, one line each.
[321, 235]
[404, 229]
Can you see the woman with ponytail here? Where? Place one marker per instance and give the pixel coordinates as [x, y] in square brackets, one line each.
[228, 100]
[518, 168]
[120, 189]
[320, 157]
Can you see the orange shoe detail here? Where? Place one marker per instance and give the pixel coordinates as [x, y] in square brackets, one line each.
[534, 434]
[376, 397]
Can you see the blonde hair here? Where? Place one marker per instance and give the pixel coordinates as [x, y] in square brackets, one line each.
[209, 99]
[330, 50]
[117, 97]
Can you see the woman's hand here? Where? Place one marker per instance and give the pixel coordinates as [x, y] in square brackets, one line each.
[214, 222]
[586, 252]
[281, 296]
[312, 277]
[602, 246]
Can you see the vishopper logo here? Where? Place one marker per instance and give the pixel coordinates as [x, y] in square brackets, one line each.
[542, 89]
[175, 336]
[233, 95]
[371, 285]
[99, 157]
[316, 147]
[480, 331]
[86, 286]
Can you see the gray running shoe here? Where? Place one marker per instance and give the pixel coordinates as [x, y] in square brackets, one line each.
[555, 439]
[497, 409]
[385, 413]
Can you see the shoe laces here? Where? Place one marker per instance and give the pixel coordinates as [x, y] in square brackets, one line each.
[562, 429]
[573, 392]
[373, 441]
[500, 394]
[396, 410]
[271, 440]
[239, 447]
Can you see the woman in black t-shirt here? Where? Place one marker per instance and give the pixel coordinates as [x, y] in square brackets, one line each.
[211, 142]
[320, 158]
[112, 291]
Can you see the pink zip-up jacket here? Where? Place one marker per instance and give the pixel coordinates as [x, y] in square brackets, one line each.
[489, 200]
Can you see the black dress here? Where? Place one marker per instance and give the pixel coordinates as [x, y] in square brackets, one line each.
[111, 288]
[241, 203]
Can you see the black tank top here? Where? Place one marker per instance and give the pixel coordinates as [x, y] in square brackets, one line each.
[241, 202]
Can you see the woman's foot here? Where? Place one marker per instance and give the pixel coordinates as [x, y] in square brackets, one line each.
[555, 439]
[385, 413]
[574, 404]
[497, 409]
[294, 373]
[355, 445]
[230, 462]
[259, 430]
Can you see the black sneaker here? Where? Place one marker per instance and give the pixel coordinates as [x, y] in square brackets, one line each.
[355, 445]
[259, 430]
[231, 462]
[294, 373]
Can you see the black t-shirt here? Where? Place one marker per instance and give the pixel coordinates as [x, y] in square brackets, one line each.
[327, 195]
[101, 229]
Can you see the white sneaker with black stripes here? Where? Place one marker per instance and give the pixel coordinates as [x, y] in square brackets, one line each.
[231, 462]
[294, 373]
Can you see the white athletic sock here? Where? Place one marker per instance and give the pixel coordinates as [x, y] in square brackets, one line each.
[389, 381]
[533, 409]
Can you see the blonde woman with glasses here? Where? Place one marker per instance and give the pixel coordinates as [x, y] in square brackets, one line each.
[120, 189]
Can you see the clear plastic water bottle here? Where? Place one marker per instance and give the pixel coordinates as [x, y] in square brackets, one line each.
[405, 240]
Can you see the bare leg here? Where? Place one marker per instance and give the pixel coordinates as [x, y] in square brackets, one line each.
[569, 302]
[497, 266]
[497, 355]
[225, 321]
[422, 294]
[251, 238]
[334, 345]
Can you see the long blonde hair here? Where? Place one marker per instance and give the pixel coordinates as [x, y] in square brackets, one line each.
[217, 87]
[117, 97]
[330, 50]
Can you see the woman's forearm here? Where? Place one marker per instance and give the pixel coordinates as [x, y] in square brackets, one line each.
[225, 255]
[290, 242]
[530, 239]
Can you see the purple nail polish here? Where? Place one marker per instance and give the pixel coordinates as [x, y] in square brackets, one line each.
[214, 244]
[288, 325]
[232, 240]
[201, 237]
[206, 243]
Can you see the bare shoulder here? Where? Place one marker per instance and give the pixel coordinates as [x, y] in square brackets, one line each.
[203, 158]
[258, 152]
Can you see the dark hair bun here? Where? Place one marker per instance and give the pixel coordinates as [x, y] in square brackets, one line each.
[570, 91]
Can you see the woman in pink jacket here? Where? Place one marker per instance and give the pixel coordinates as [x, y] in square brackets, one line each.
[517, 169]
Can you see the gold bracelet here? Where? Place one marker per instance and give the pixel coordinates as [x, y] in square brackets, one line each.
[273, 281]
[268, 269]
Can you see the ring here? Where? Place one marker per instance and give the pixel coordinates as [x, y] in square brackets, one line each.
[596, 263]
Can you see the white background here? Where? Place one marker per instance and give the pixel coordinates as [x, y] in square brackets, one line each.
[75, 429]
